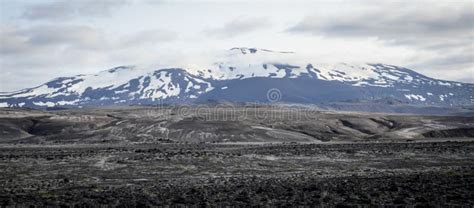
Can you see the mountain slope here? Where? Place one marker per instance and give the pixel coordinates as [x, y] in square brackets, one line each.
[244, 75]
[121, 85]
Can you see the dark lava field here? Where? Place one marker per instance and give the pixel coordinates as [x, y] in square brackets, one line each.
[234, 156]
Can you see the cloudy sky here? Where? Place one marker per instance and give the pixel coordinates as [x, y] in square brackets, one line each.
[40, 40]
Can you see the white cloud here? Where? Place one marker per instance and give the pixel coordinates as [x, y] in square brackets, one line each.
[239, 26]
[70, 9]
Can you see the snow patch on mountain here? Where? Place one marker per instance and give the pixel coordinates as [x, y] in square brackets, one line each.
[147, 85]
[415, 97]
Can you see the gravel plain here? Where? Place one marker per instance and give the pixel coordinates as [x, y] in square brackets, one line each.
[119, 157]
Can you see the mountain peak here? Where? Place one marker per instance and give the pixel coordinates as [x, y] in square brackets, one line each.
[246, 50]
[243, 76]
[119, 68]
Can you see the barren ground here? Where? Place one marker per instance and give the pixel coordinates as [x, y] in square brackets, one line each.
[142, 156]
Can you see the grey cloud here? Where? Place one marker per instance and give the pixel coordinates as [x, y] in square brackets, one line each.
[49, 37]
[149, 37]
[403, 25]
[240, 26]
[80, 36]
[451, 60]
[43, 38]
[446, 31]
[64, 10]
[446, 70]
[449, 65]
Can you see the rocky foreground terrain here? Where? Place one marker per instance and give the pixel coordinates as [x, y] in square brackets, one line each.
[221, 123]
[233, 156]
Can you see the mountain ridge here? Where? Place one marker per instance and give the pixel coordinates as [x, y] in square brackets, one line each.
[252, 69]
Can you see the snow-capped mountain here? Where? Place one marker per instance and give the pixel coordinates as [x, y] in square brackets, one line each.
[120, 85]
[243, 75]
